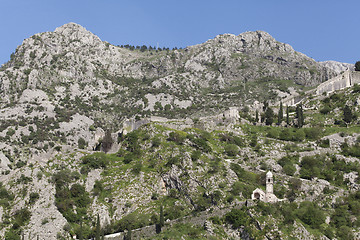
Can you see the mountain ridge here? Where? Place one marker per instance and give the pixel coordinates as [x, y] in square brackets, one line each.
[90, 129]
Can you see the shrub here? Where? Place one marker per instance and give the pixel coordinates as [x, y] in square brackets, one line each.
[325, 143]
[22, 216]
[311, 166]
[272, 133]
[137, 168]
[82, 144]
[312, 133]
[285, 134]
[195, 155]
[96, 160]
[299, 135]
[177, 137]
[12, 235]
[310, 214]
[231, 150]
[237, 218]
[289, 169]
[98, 188]
[201, 144]
[156, 142]
[325, 110]
[10, 132]
[33, 197]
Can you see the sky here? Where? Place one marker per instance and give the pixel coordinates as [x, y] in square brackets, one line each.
[321, 29]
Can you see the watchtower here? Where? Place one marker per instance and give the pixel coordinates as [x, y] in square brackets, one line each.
[269, 183]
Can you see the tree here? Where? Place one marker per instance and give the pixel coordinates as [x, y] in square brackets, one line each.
[299, 115]
[128, 235]
[107, 142]
[269, 116]
[287, 115]
[256, 116]
[347, 114]
[81, 232]
[280, 113]
[97, 233]
[357, 66]
[162, 220]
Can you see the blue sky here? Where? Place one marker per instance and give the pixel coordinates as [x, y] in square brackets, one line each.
[321, 29]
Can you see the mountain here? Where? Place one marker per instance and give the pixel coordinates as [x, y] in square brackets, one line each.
[89, 131]
[338, 67]
[186, 79]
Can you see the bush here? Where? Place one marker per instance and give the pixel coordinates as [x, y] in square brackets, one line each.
[82, 144]
[299, 135]
[12, 235]
[285, 134]
[311, 166]
[156, 142]
[325, 110]
[313, 133]
[195, 155]
[237, 218]
[231, 150]
[244, 189]
[96, 160]
[201, 144]
[289, 169]
[33, 197]
[310, 214]
[98, 188]
[22, 216]
[137, 168]
[272, 133]
[177, 137]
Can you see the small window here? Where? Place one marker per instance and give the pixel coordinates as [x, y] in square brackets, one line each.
[268, 180]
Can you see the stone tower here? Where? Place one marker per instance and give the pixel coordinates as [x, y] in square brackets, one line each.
[269, 183]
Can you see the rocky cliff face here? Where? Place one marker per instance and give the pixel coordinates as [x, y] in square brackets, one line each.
[78, 62]
[338, 67]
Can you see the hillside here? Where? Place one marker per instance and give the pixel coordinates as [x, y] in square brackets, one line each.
[90, 129]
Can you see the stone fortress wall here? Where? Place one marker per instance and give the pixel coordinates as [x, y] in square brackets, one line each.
[344, 80]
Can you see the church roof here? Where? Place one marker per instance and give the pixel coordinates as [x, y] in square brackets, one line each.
[269, 174]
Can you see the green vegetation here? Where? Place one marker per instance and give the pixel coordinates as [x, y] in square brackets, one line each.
[357, 66]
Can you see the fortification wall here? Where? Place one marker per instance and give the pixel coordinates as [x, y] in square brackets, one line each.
[355, 78]
[149, 231]
[339, 82]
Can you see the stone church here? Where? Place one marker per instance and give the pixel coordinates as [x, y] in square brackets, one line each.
[269, 195]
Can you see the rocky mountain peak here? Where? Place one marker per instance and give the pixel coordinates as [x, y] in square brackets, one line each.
[74, 31]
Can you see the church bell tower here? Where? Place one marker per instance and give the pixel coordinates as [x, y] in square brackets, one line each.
[269, 182]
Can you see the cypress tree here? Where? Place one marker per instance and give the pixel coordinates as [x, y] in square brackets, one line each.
[287, 115]
[80, 233]
[357, 66]
[257, 116]
[347, 114]
[97, 233]
[162, 220]
[300, 115]
[269, 114]
[280, 113]
[107, 142]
